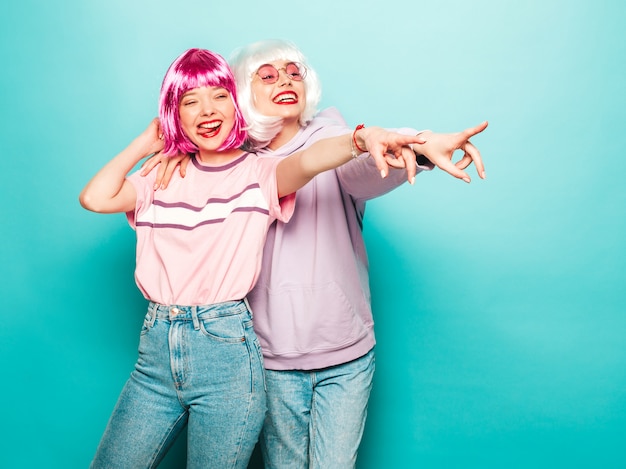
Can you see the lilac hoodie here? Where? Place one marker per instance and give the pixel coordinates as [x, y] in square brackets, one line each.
[311, 303]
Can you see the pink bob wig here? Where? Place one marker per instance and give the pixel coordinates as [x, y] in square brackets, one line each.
[195, 68]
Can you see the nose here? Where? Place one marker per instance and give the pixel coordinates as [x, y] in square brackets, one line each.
[207, 107]
[283, 78]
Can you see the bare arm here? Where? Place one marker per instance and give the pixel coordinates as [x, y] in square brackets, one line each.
[296, 170]
[108, 191]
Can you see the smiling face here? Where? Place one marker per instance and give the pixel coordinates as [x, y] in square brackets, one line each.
[193, 74]
[207, 117]
[286, 98]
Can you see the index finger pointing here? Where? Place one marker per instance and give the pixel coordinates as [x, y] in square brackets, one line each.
[475, 130]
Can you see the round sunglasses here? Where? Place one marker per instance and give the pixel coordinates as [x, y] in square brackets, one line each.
[270, 74]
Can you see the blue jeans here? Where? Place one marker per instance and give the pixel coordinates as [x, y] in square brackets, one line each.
[316, 418]
[199, 366]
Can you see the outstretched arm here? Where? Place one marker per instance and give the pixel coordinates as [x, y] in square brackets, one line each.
[296, 170]
[109, 191]
[439, 150]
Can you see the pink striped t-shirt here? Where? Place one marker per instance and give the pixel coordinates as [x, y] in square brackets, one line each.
[201, 240]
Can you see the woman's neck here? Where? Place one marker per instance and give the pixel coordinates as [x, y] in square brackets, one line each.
[218, 158]
[288, 131]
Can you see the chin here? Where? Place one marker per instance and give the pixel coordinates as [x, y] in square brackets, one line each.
[289, 113]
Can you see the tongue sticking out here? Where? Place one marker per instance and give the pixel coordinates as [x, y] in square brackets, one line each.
[209, 130]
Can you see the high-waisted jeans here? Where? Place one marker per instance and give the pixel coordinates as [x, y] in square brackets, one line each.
[199, 366]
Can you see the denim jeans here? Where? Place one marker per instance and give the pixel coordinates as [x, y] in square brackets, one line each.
[315, 418]
[199, 366]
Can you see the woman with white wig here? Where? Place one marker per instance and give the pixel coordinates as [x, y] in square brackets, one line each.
[311, 304]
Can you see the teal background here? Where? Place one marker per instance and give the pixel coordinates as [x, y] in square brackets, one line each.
[499, 305]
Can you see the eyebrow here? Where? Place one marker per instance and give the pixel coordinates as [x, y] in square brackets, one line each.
[278, 63]
[193, 90]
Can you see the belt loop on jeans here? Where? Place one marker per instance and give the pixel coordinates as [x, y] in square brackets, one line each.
[153, 309]
[245, 300]
[194, 316]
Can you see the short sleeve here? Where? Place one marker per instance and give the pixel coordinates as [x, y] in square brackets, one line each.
[280, 208]
[145, 193]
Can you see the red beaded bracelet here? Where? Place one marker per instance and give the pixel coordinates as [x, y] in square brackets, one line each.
[358, 127]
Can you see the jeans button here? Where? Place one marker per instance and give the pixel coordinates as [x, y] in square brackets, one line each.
[175, 311]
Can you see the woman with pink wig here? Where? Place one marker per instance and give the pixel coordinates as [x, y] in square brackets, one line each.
[199, 249]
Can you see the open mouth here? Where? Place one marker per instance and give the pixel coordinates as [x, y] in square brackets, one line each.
[209, 129]
[286, 97]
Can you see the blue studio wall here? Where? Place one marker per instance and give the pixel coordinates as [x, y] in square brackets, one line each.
[499, 305]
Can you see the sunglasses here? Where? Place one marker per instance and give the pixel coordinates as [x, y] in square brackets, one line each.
[269, 74]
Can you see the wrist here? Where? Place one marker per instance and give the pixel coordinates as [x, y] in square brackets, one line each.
[142, 142]
[418, 148]
[357, 142]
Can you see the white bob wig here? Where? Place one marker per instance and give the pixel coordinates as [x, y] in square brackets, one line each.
[245, 61]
